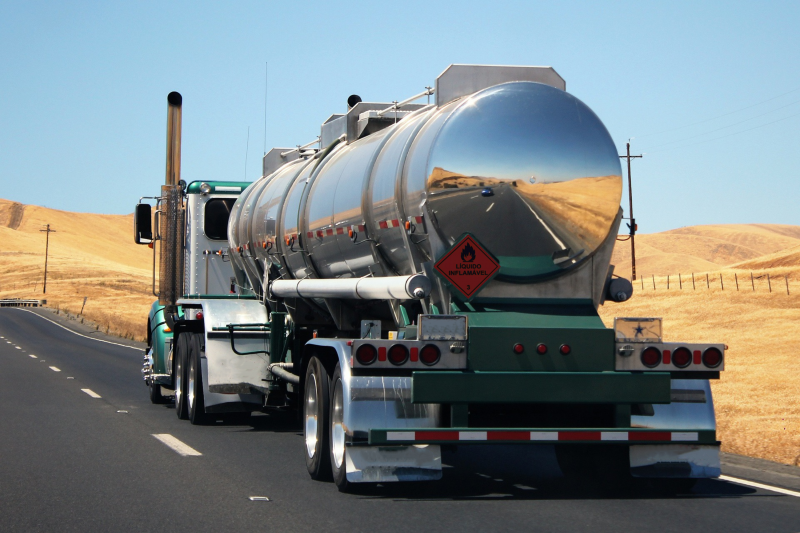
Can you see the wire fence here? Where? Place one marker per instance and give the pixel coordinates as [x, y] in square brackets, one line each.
[755, 282]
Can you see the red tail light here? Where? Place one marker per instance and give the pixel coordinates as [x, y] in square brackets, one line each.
[398, 354]
[651, 356]
[518, 348]
[366, 354]
[429, 355]
[199, 315]
[712, 357]
[541, 349]
[565, 349]
[681, 357]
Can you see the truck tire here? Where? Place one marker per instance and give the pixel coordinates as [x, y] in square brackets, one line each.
[195, 400]
[316, 414]
[179, 376]
[337, 434]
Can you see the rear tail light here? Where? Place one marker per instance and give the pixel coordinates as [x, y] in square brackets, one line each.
[712, 357]
[681, 357]
[518, 348]
[199, 315]
[651, 357]
[565, 349]
[429, 355]
[398, 354]
[366, 354]
[541, 349]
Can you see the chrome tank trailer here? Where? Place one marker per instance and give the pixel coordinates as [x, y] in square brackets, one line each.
[504, 154]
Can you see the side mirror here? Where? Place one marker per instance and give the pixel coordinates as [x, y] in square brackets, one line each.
[142, 225]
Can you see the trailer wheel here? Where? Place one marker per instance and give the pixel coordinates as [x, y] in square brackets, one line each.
[337, 434]
[195, 400]
[315, 420]
[181, 349]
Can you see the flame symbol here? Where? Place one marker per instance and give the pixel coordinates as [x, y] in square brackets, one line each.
[467, 254]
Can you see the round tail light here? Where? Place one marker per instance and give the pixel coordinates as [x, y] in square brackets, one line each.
[565, 349]
[429, 355]
[712, 357]
[366, 354]
[518, 348]
[681, 357]
[651, 357]
[398, 354]
[541, 349]
[199, 315]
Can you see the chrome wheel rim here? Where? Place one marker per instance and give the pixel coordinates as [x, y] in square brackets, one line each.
[190, 388]
[337, 425]
[311, 415]
[178, 383]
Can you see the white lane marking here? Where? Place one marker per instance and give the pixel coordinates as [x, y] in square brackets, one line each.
[553, 235]
[76, 333]
[176, 445]
[31, 355]
[91, 393]
[259, 499]
[17, 347]
[490, 207]
[55, 369]
[760, 486]
[471, 197]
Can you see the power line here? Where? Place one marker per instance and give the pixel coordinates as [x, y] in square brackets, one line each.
[724, 136]
[719, 116]
[728, 126]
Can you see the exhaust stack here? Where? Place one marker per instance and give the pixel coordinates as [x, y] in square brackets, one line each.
[172, 211]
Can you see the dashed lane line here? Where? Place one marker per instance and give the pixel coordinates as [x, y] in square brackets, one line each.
[55, 369]
[177, 446]
[91, 393]
[79, 334]
[760, 486]
[33, 356]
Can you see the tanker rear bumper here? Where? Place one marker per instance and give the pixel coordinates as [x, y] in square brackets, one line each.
[459, 387]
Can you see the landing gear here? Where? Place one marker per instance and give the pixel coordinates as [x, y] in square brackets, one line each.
[180, 353]
[194, 386]
[337, 435]
[316, 414]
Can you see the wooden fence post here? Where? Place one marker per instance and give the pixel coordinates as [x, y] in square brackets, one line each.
[708, 286]
[654, 281]
[721, 284]
[693, 287]
[736, 278]
[680, 282]
[786, 279]
[667, 281]
[752, 282]
[769, 284]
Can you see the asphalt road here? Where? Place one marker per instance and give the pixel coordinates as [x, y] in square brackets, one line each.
[73, 462]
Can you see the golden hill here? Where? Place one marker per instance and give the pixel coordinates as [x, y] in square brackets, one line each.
[758, 408]
[90, 256]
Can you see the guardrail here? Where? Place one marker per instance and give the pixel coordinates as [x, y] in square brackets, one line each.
[17, 302]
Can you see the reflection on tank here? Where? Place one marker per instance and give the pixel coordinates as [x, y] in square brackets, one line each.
[566, 219]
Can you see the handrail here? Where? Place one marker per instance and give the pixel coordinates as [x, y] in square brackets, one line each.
[397, 105]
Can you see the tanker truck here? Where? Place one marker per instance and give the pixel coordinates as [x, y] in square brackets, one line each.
[425, 276]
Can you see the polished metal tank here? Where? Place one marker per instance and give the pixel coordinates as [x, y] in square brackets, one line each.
[526, 168]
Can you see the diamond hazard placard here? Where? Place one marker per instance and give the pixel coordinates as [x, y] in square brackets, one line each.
[467, 266]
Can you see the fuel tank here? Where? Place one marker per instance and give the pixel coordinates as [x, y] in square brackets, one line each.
[524, 167]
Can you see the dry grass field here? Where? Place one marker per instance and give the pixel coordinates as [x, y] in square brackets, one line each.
[757, 399]
[91, 256]
[758, 395]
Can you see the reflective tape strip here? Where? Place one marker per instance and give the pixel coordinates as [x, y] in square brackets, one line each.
[542, 436]
[329, 232]
[382, 224]
[472, 435]
[613, 435]
[310, 234]
[339, 231]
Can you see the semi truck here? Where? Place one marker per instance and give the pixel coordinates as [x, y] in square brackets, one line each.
[425, 276]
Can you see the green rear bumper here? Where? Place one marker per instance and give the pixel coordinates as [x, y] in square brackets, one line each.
[540, 387]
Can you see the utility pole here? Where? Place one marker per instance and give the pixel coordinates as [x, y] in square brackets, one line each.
[46, 253]
[632, 224]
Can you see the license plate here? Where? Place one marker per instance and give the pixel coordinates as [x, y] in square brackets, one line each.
[442, 328]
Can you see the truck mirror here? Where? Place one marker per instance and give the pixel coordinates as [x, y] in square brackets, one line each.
[142, 226]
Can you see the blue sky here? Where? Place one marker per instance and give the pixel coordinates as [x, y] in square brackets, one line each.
[710, 91]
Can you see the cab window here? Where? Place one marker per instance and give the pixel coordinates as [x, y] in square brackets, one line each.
[218, 211]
